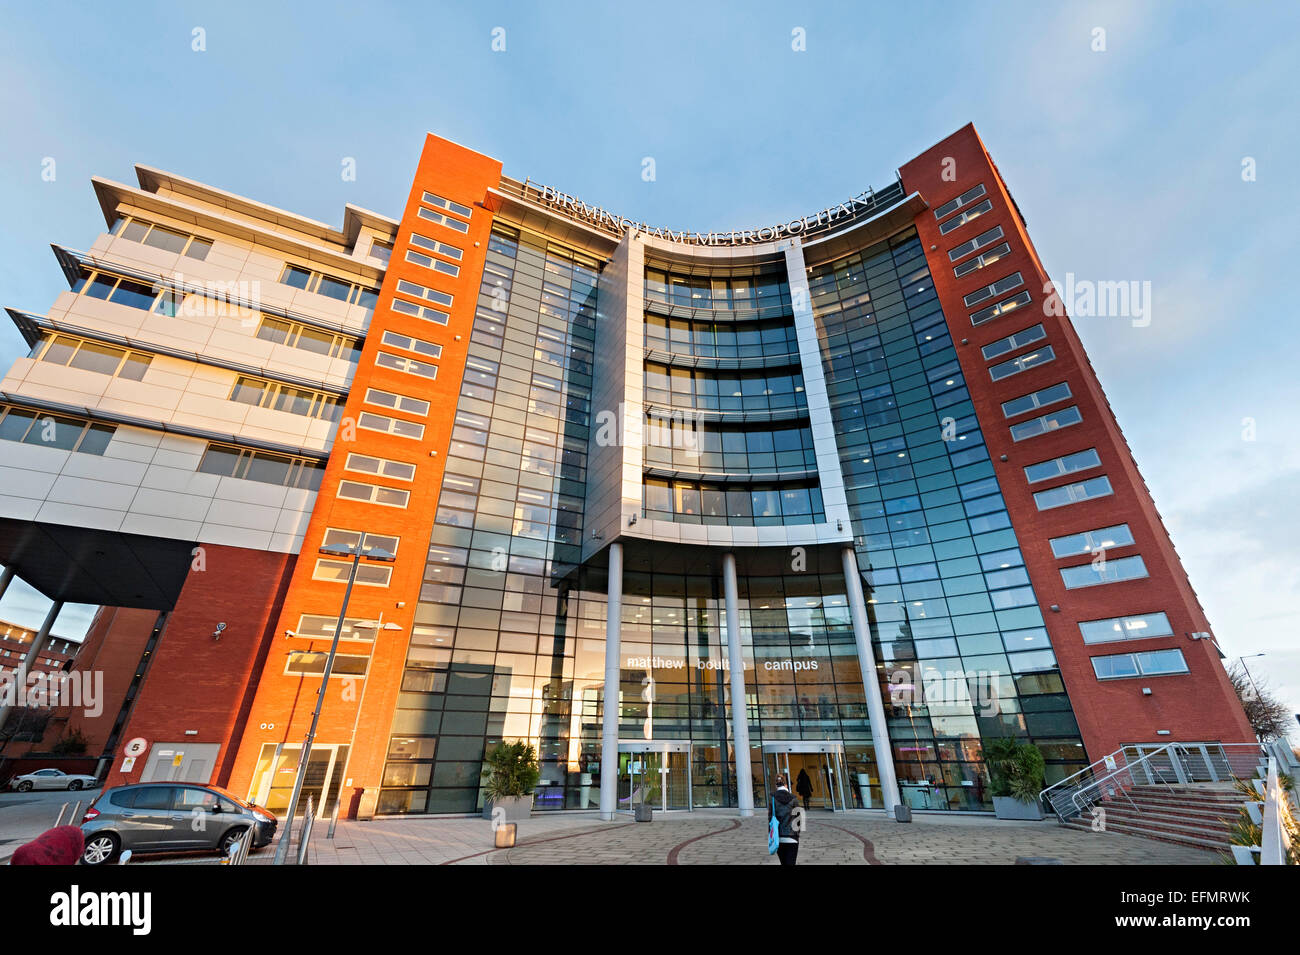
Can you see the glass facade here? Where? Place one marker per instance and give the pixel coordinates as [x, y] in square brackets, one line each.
[955, 622]
[509, 641]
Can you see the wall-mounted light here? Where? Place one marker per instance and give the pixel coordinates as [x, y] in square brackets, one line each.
[216, 634]
[1146, 691]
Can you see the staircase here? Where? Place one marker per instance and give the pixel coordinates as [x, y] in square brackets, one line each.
[1198, 815]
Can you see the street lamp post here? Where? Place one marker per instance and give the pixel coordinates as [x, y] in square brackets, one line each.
[356, 552]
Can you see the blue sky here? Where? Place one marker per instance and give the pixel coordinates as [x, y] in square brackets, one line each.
[1126, 163]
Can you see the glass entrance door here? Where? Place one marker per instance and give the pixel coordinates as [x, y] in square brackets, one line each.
[656, 773]
[813, 771]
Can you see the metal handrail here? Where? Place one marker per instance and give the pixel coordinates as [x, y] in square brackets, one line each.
[1275, 840]
[1187, 762]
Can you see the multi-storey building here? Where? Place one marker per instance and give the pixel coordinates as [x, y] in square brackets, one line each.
[603, 479]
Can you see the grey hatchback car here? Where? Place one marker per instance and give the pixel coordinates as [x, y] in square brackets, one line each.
[170, 817]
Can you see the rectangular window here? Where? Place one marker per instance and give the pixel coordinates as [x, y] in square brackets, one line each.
[1155, 663]
[419, 346]
[387, 399]
[1141, 626]
[436, 247]
[302, 663]
[387, 425]
[1021, 363]
[319, 627]
[373, 494]
[1000, 309]
[1090, 542]
[428, 262]
[61, 432]
[91, 356]
[1072, 493]
[1048, 422]
[1038, 399]
[403, 307]
[965, 199]
[1104, 572]
[994, 254]
[981, 240]
[1066, 464]
[436, 200]
[423, 292]
[280, 397]
[408, 365]
[368, 574]
[458, 224]
[970, 215]
[381, 249]
[266, 467]
[353, 293]
[296, 335]
[1009, 344]
[339, 537]
[382, 467]
[162, 237]
[1004, 284]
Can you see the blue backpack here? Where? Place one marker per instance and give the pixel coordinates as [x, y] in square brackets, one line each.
[773, 831]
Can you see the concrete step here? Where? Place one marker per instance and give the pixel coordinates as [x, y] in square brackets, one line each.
[1128, 814]
[1196, 842]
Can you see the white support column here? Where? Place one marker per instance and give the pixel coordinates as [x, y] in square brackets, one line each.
[736, 664]
[870, 682]
[610, 706]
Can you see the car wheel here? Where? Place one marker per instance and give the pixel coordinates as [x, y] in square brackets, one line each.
[100, 849]
[230, 838]
[74, 785]
[25, 786]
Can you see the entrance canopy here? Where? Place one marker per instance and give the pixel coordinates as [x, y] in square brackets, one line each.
[90, 566]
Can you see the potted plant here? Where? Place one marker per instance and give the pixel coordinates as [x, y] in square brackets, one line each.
[645, 797]
[1015, 777]
[512, 773]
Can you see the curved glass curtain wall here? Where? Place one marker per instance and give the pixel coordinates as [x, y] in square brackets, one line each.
[950, 602]
[726, 416]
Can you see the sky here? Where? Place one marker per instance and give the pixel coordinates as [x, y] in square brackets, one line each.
[1169, 156]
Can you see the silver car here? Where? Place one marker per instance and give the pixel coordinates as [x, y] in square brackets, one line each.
[170, 817]
[51, 779]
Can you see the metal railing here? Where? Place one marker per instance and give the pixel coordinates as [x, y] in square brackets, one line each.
[1152, 764]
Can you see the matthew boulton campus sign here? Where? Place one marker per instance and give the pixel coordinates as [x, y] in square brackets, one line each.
[618, 225]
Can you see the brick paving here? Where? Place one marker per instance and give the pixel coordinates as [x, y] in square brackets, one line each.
[718, 837]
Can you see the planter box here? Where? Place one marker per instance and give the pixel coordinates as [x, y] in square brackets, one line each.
[902, 812]
[642, 812]
[514, 808]
[1008, 807]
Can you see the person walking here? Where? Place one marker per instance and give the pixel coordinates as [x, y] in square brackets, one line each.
[784, 809]
[803, 786]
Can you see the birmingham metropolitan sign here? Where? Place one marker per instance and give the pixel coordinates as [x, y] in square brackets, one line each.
[822, 221]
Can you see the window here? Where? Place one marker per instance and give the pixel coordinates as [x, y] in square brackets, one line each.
[162, 237]
[435, 200]
[61, 432]
[438, 217]
[229, 460]
[965, 199]
[421, 291]
[368, 574]
[280, 397]
[373, 494]
[382, 250]
[1141, 626]
[297, 335]
[1022, 363]
[436, 247]
[981, 240]
[91, 356]
[980, 261]
[428, 349]
[1153, 663]
[1104, 572]
[387, 399]
[1009, 344]
[1066, 464]
[1039, 399]
[340, 537]
[319, 627]
[338, 289]
[428, 262]
[970, 215]
[1000, 309]
[1090, 542]
[301, 663]
[1048, 422]
[1072, 493]
[1004, 284]
[383, 467]
[408, 365]
[403, 307]
[382, 423]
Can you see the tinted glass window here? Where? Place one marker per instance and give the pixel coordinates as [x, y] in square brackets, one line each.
[154, 797]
